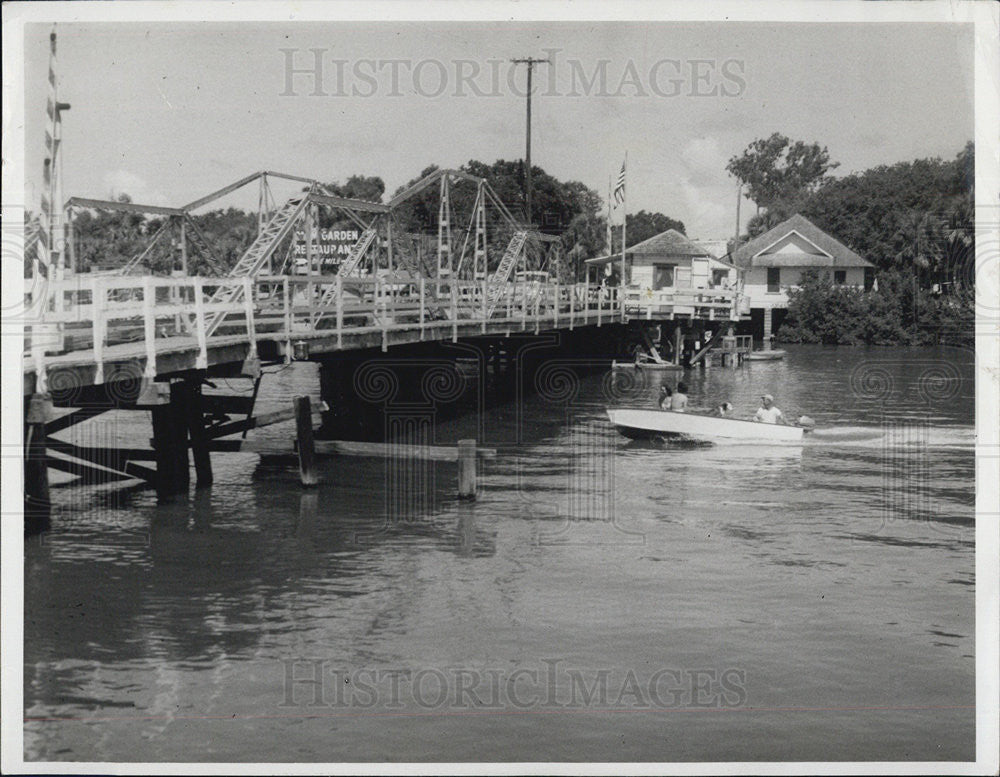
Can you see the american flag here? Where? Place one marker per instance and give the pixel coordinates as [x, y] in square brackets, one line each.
[620, 187]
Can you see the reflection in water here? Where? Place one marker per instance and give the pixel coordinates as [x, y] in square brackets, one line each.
[838, 575]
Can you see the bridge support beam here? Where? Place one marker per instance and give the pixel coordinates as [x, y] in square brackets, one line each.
[37, 505]
[170, 443]
[195, 412]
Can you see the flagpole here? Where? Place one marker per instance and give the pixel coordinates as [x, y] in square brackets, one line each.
[611, 245]
[621, 284]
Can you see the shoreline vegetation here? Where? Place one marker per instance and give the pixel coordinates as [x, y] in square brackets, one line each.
[897, 313]
[913, 220]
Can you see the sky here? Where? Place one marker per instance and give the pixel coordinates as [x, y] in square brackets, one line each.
[167, 112]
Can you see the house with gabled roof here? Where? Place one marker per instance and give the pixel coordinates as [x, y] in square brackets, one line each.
[773, 263]
[670, 274]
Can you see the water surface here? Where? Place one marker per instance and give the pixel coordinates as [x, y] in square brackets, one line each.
[810, 602]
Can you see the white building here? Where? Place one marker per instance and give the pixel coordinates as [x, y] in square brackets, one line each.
[773, 263]
[669, 275]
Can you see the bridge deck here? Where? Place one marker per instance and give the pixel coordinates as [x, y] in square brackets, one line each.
[183, 328]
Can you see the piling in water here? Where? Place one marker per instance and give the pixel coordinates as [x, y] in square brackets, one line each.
[466, 469]
[37, 505]
[304, 434]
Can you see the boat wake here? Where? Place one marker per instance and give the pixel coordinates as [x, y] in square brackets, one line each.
[901, 436]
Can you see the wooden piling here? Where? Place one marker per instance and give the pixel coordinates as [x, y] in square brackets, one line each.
[162, 438]
[199, 440]
[37, 505]
[304, 434]
[179, 400]
[466, 469]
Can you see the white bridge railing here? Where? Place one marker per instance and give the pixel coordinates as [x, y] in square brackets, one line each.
[98, 316]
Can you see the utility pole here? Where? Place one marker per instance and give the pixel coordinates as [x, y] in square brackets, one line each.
[739, 198]
[530, 62]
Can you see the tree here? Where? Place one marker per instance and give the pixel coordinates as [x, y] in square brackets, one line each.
[643, 225]
[908, 215]
[359, 187]
[585, 238]
[775, 168]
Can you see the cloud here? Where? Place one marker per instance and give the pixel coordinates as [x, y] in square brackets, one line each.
[704, 161]
[117, 182]
[704, 186]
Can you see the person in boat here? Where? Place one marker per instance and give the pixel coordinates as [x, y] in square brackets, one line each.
[679, 400]
[723, 410]
[767, 413]
[665, 394]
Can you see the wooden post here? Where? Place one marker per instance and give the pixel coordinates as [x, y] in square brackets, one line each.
[196, 428]
[201, 363]
[678, 344]
[179, 396]
[422, 309]
[184, 248]
[149, 325]
[466, 469]
[340, 311]
[98, 295]
[162, 438]
[524, 298]
[486, 303]
[286, 301]
[555, 307]
[304, 433]
[37, 505]
[572, 304]
[248, 311]
[538, 305]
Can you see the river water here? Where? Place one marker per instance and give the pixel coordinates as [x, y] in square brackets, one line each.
[601, 600]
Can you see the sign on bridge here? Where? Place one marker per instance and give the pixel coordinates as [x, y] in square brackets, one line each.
[329, 248]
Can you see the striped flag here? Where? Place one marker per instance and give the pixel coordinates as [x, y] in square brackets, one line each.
[620, 187]
[46, 216]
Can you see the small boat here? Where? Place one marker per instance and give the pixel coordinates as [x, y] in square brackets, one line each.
[765, 356]
[637, 423]
[650, 365]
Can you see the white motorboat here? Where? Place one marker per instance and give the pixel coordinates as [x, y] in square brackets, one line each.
[639, 423]
[649, 365]
[765, 356]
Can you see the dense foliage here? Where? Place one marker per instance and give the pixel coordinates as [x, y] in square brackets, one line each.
[642, 226]
[898, 312]
[567, 209]
[912, 220]
[911, 216]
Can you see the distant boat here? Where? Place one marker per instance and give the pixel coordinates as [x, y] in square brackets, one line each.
[765, 356]
[646, 365]
[637, 423]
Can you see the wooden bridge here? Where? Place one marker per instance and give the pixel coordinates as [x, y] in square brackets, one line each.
[123, 328]
[130, 339]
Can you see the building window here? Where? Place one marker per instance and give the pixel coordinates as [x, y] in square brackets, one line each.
[869, 278]
[720, 277]
[773, 279]
[839, 277]
[663, 276]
